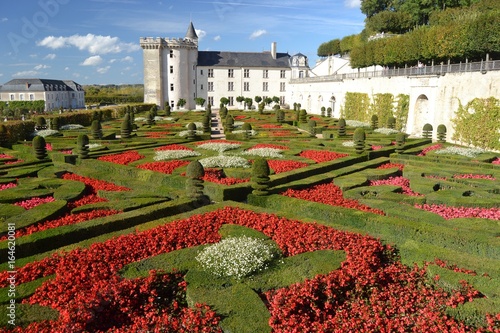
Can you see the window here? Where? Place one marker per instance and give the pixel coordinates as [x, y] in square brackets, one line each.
[210, 86]
[231, 100]
[171, 53]
[282, 100]
[21, 97]
[12, 97]
[246, 73]
[201, 71]
[171, 69]
[230, 86]
[282, 86]
[301, 74]
[265, 86]
[210, 73]
[246, 86]
[211, 100]
[201, 87]
[230, 73]
[32, 97]
[282, 74]
[265, 74]
[171, 87]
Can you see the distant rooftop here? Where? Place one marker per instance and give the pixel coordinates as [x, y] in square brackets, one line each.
[242, 59]
[40, 85]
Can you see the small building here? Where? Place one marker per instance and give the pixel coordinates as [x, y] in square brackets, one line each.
[55, 93]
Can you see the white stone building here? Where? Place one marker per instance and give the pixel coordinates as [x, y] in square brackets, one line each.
[55, 93]
[175, 69]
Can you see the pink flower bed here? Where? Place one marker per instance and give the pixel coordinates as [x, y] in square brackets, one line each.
[397, 181]
[6, 186]
[430, 148]
[66, 151]
[451, 212]
[473, 176]
[6, 156]
[321, 155]
[33, 202]
[122, 158]
[377, 147]
[496, 161]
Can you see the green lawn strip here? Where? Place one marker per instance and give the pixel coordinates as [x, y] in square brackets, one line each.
[123, 205]
[35, 215]
[22, 170]
[26, 314]
[7, 211]
[22, 290]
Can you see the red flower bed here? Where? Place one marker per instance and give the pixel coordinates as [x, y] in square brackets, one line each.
[122, 158]
[6, 156]
[430, 148]
[473, 176]
[496, 161]
[270, 126]
[157, 135]
[218, 176]
[239, 117]
[163, 166]
[392, 165]
[6, 186]
[173, 147]
[280, 166]
[217, 141]
[451, 212]
[397, 181]
[329, 194]
[281, 133]
[33, 202]
[94, 184]
[370, 292]
[169, 125]
[455, 268]
[269, 145]
[321, 155]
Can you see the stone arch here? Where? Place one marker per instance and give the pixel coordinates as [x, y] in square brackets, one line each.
[332, 104]
[421, 113]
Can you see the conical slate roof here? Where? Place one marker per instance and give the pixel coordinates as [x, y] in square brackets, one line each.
[191, 33]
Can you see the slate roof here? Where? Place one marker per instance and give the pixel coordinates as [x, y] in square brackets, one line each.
[242, 59]
[191, 33]
[28, 85]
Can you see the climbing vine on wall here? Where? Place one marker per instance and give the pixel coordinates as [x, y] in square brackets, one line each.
[383, 107]
[401, 113]
[477, 123]
[357, 106]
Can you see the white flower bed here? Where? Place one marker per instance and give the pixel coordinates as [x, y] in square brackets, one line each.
[237, 256]
[348, 143]
[46, 133]
[252, 132]
[467, 152]
[238, 124]
[94, 145]
[264, 152]
[158, 118]
[219, 146]
[185, 133]
[139, 119]
[386, 131]
[174, 154]
[356, 123]
[71, 127]
[222, 161]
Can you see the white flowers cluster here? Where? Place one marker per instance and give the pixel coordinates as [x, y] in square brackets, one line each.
[356, 123]
[219, 146]
[94, 145]
[185, 133]
[348, 143]
[46, 133]
[252, 132]
[454, 150]
[264, 152]
[139, 119]
[71, 127]
[386, 131]
[237, 256]
[158, 118]
[238, 124]
[222, 161]
[174, 154]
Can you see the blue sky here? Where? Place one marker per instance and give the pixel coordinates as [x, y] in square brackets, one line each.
[97, 41]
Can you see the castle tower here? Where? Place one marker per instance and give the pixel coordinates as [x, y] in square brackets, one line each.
[170, 69]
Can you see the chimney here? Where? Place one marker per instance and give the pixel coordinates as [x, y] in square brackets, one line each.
[273, 50]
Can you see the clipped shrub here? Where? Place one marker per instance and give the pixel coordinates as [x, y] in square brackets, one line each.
[261, 107]
[167, 110]
[82, 148]
[312, 127]
[39, 147]
[400, 142]
[55, 123]
[427, 131]
[194, 182]
[359, 138]
[41, 123]
[96, 115]
[441, 133]
[4, 137]
[323, 111]
[329, 112]
[223, 112]
[247, 127]
[303, 116]
[96, 129]
[342, 125]
[126, 127]
[260, 176]
[191, 131]
[206, 123]
[150, 118]
[374, 122]
[280, 116]
[229, 124]
[391, 122]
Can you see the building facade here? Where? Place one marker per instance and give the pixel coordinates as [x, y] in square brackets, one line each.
[175, 69]
[56, 93]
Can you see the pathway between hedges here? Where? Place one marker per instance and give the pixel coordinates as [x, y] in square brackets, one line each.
[217, 130]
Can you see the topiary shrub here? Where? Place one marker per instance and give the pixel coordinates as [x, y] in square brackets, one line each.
[341, 125]
[82, 146]
[323, 111]
[150, 118]
[229, 124]
[223, 112]
[206, 124]
[400, 142]
[126, 127]
[39, 147]
[391, 122]
[303, 116]
[427, 131]
[280, 116]
[359, 138]
[374, 122]
[260, 176]
[247, 128]
[41, 123]
[167, 110]
[96, 115]
[441, 133]
[261, 107]
[312, 127]
[191, 131]
[4, 137]
[55, 124]
[194, 182]
[96, 129]
[329, 112]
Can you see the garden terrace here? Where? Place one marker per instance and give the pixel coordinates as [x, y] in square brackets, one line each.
[378, 233]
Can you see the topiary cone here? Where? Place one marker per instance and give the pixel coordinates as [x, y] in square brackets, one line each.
[260, 176]
[39, 147]
[126, 127]
[341, 125]
[400, 142]
[96, 129]
[194, 182]
[359, 138]
[82, 148]
[441, 133]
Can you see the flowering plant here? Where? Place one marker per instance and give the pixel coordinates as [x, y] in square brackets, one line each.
[430, 148]
[397, 181]
[264, 152]
[161, 155]
[33, 202]
[321, 155]
[7, 185]
[71, 127]
[386, 131]
[222, 161]
[451, 212]
[164, 167]
[279, 166]
[356, 123]
[219, 146]
[467, 152]
[122, 158]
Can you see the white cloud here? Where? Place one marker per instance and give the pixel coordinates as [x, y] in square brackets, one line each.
[34, 55]
[66, 68]
[92, 61]
[352, 3]
[38, 67]
[1, 74]
[112, 61]
[94, 44]
[258, 33]
[217, 38]
[26, 74]
[127, 59]
[4, 19]
[50, 56]
[200, 33]
[102, 70]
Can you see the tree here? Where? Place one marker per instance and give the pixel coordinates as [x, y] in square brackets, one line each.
[372, 7]
[224, 100]
[257, 99]
[181, 102]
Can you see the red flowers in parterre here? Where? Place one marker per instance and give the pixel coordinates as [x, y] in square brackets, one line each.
[451, 212]
[370, 291]
[280, 166]
[33, 202]
[163, 166]
[321, 155]
[122, 158]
